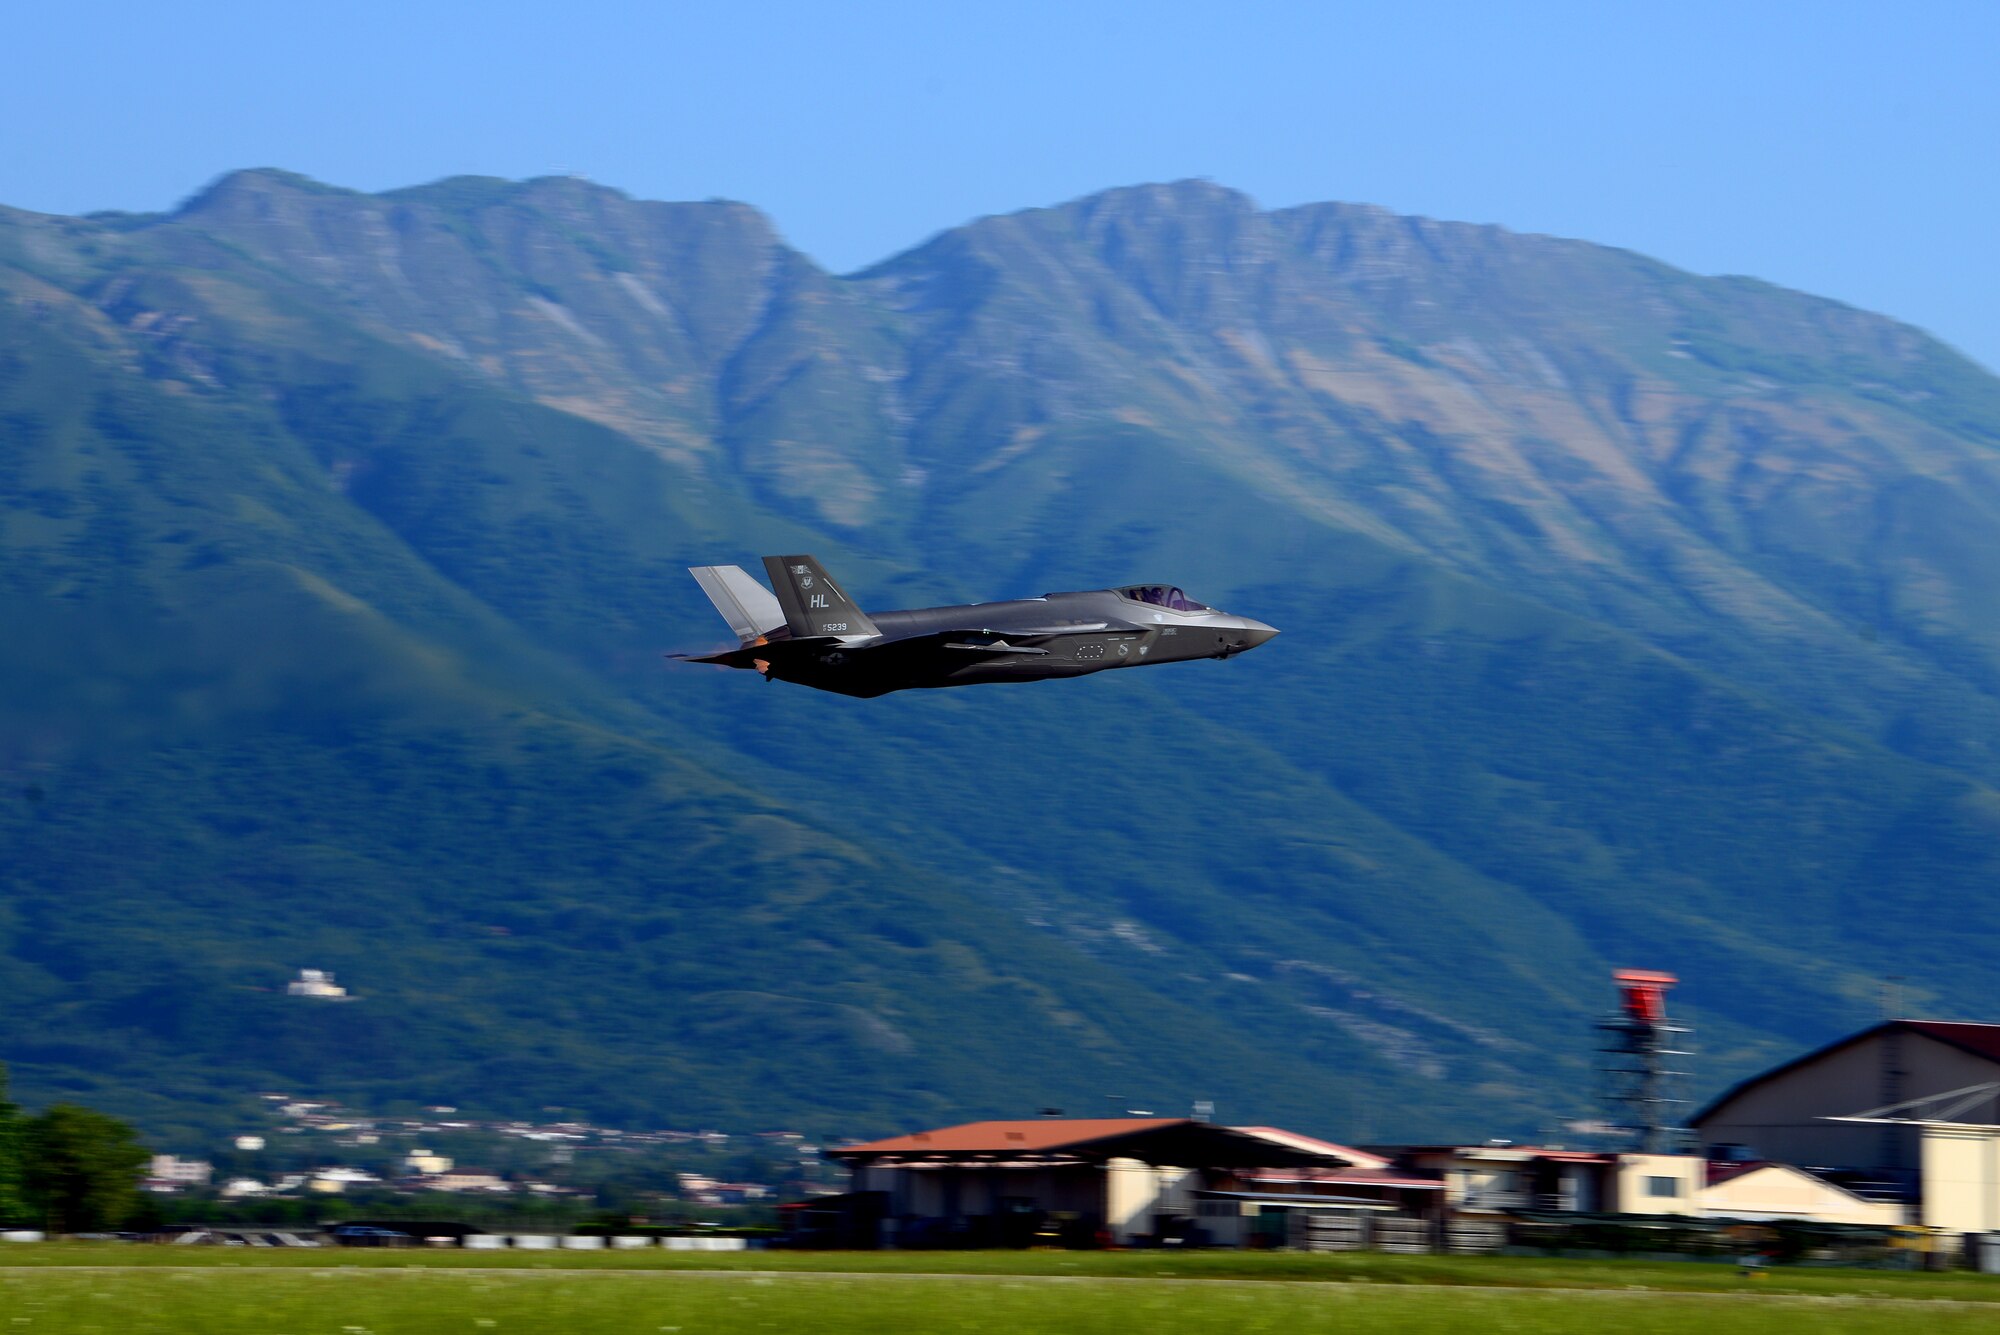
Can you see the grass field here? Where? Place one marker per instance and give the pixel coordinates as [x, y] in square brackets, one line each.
[70, 1289]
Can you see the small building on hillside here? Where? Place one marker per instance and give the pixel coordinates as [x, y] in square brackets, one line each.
[1081, 1181]
[315, 983]
[174, 1171]
[333, 1181]
[460, 1179]
[420, 1162]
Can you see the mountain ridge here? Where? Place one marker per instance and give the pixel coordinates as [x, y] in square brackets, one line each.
[1628, 613]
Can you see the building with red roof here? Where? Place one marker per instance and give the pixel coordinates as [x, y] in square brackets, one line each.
[1120, 1179]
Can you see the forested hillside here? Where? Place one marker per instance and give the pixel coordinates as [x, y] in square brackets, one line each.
[1631, 618]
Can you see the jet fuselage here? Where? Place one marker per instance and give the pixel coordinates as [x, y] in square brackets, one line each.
[828, 643]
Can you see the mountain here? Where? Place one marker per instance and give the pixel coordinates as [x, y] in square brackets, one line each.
[1632, 617]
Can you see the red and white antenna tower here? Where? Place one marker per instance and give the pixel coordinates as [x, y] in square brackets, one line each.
[1642, 1056]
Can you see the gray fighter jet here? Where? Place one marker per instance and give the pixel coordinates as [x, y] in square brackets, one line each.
[813, 634]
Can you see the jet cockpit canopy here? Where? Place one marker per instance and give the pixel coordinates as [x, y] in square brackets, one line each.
[1163, 595]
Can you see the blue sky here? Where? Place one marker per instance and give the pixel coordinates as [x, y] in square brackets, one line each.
[1846, 149]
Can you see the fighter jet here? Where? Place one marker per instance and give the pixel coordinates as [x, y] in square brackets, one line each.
[813, 634]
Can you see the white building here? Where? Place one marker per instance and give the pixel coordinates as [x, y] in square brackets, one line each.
[336, 1180]
[180, 1172]
[468, 1181]
[422, 1162]
[315, 983]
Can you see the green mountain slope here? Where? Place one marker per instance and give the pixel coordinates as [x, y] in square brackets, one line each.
[1631, 617]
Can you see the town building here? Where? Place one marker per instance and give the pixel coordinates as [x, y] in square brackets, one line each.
[172, 1168]
[315, 983]
[167, 1172]
[422, 1163]
[704, 1190]
[463, 1180]
[333, 1181]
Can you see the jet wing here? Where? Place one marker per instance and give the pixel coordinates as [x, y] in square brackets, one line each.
[964, 642]
[993, 647]
[1085, 628]
[987, 640]
[961, 644]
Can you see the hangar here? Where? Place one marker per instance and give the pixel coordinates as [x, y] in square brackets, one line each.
[1120, 1180]
[1906, 1110]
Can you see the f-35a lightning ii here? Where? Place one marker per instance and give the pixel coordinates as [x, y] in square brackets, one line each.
[813, 634]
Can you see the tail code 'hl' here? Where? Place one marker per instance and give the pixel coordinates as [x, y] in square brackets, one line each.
[813, 603]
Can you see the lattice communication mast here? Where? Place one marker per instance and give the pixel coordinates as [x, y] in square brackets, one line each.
[1642, 1064]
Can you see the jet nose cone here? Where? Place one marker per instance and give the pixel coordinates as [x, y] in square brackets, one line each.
[1250, 634]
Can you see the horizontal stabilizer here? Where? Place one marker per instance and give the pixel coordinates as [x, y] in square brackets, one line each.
[744, 656]
[764, 651]
[749, 608]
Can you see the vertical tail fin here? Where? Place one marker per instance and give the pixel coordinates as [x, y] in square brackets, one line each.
[813, 603]
[745, 604]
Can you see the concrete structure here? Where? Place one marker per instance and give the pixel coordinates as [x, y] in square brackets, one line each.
[1960, 1165]
[1077, 1181]
[1657, 1184]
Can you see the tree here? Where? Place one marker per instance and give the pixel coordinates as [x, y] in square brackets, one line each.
[81, 1168]
[13, 1203]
